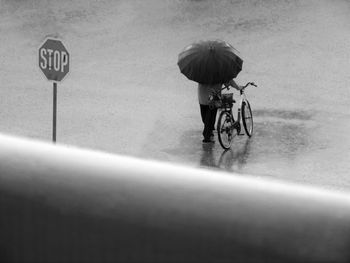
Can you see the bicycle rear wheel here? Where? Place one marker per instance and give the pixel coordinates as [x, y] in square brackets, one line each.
[225, 129]
[247, 118]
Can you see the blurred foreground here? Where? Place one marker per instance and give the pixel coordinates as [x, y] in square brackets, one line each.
[97, 207]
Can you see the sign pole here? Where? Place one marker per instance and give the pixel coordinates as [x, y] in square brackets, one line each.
[54, 122]
[54, 63]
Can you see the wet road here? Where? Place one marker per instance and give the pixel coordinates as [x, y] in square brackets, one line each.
[293, 146]
[125, 94]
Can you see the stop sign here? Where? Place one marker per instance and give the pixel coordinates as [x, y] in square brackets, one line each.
[54, 59]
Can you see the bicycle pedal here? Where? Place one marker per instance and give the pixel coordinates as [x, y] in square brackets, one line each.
[241, 134]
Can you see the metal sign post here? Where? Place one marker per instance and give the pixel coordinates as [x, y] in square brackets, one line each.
[54, 63]
[54, 120]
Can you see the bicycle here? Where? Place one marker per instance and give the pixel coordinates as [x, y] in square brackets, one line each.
[227, 127]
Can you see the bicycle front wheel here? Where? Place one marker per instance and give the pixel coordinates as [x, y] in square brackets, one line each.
[225, 129]
[247, 118]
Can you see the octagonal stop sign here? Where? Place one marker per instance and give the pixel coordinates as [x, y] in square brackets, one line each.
[54, 59]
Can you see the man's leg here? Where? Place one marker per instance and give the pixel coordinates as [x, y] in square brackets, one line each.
[209, 124]
[204, 115]
[204, 109]
[212, 113]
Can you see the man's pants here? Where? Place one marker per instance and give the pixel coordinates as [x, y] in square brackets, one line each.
[208, 118]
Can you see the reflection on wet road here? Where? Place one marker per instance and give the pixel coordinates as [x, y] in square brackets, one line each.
[277, 135]
[288, 145]
[233, 159]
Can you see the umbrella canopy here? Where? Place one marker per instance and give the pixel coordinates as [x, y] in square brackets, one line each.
[210, 62]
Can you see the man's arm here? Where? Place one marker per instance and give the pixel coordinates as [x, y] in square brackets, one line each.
[233, 84]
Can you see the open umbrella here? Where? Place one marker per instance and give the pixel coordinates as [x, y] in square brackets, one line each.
[210, 62]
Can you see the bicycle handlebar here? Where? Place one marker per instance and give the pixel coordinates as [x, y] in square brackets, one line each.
[243, 87]
[250, 83]
[228, 87]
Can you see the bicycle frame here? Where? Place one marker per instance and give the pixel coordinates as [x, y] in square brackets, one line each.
[227, 124]
[242, 99]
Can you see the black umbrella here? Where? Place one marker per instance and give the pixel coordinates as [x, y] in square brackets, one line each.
[210, 62]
